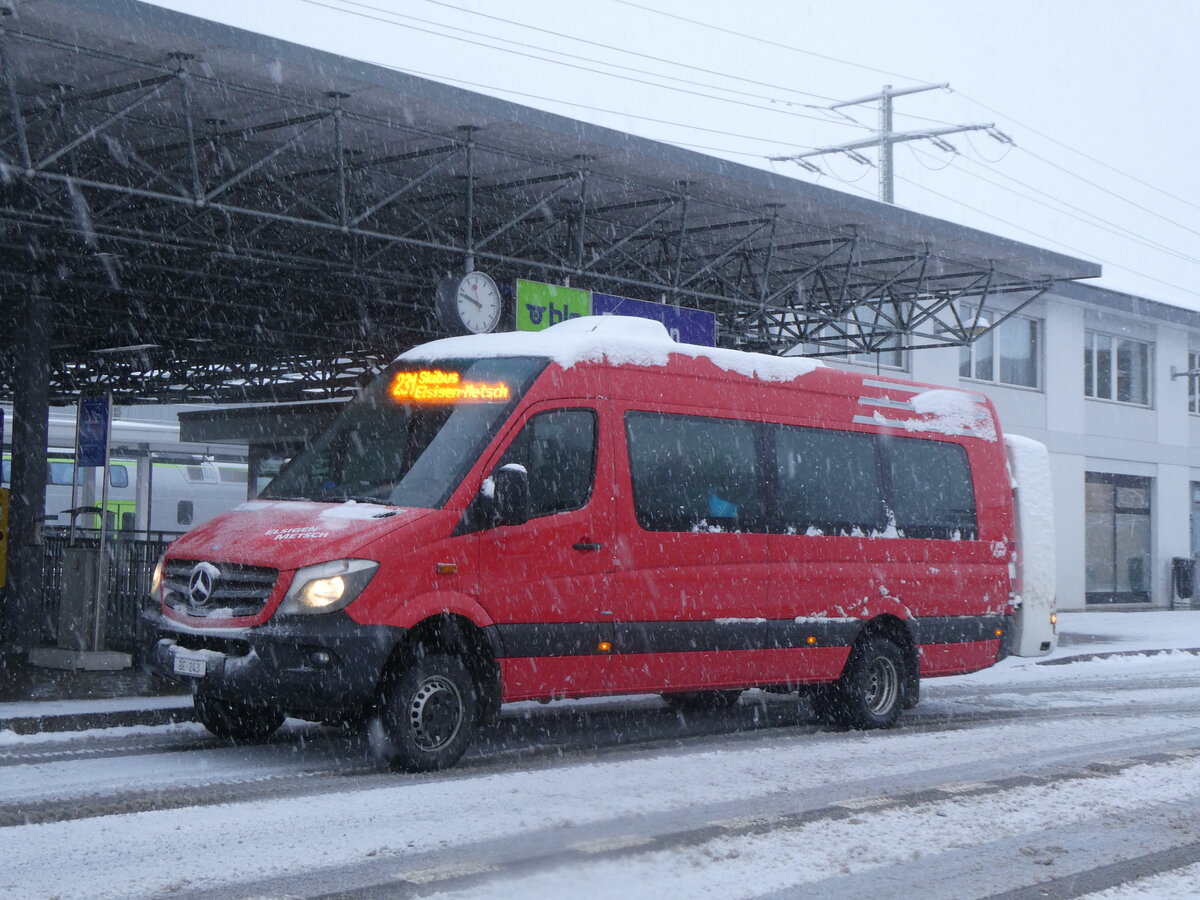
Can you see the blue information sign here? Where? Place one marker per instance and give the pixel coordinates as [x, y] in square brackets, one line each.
[91, 444]
[688, 326]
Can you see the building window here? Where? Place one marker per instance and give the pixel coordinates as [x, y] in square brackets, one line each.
[1117, 538]
[1116, 368]
[1011, 353]
[1193, 391]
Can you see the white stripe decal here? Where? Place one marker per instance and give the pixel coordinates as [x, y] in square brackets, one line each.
[884, 401]
[889, 386]
[882, 421]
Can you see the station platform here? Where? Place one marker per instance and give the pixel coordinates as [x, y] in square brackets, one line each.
[35, 699]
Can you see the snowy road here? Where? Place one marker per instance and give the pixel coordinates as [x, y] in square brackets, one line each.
[1022, 781]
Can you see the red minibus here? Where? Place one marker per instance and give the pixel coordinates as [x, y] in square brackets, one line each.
[595, 509]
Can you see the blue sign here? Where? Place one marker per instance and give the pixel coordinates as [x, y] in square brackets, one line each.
[91, 442]
[688, 326]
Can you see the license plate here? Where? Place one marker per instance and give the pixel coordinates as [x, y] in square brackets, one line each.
[192, 666]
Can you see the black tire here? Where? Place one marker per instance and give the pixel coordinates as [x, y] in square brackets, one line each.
[428, 711]
[871, 692]
[702, 701]
[236, 721]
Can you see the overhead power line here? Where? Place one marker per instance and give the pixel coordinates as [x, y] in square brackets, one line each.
[613, 47]
[1076, 213]
[767, 41]
[1171, 194]
[1085, 254]
[615, 112]
[778, 106]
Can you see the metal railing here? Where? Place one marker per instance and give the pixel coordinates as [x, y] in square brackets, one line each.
[130, 564]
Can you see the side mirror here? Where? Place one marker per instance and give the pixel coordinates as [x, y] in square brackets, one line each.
[510, 486]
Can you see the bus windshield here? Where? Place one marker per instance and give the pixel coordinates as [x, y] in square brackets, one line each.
[412, 436]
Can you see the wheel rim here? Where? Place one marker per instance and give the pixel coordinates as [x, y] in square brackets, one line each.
[883, 686]
[435, 713]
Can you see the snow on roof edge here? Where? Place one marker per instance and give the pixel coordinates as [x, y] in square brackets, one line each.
[617, 340]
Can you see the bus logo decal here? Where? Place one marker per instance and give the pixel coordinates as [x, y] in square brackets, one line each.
[200, 585]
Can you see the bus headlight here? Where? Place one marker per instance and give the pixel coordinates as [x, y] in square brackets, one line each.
[156, 579]
[327, 587]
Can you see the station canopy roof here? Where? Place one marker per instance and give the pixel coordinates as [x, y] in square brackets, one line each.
[214, 214]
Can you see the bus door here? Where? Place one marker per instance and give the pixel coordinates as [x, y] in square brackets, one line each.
[544, 582]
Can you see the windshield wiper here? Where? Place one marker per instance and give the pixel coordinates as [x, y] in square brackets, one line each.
[357, 498]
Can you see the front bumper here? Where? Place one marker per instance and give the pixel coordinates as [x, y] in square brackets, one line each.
[308, 665]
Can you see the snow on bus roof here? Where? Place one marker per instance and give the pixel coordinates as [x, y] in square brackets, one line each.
[618, 340]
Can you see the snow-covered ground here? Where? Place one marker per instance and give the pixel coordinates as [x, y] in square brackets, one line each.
[1024, 773]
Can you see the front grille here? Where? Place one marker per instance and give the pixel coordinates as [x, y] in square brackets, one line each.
[235, 590]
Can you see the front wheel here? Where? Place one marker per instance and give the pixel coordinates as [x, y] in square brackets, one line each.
[871, 691]
[428, 711]
[236, 721]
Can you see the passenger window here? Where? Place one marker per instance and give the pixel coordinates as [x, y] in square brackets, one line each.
[183, 512]
[558, 450]
[827, 481]
[118, 476]
[60, 473]
[931, 491]
[694, 474]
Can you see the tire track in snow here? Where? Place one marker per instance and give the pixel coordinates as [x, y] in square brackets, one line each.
[501, 866]
[550, 738]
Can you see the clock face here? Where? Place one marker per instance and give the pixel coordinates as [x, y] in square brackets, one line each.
[471, 304]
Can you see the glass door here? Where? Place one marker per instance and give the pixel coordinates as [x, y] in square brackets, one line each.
[1195, 516]
[1117, 538]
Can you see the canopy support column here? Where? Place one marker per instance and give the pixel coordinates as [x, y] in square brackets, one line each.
[23, 611]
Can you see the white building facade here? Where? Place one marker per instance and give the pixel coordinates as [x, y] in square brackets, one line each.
[1100, 378]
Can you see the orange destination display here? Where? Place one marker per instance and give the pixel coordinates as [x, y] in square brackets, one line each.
[437, 386]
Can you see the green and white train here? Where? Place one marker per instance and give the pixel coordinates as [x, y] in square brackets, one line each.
[186, 483]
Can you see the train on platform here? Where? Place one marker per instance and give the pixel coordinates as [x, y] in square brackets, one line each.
[188, 484]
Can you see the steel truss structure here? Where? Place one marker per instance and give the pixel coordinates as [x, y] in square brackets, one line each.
[215, 215]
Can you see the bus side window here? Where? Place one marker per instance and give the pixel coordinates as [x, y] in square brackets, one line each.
[558, 450]
[693, 473]
[827, 481]
[183, 512]
[931, 493]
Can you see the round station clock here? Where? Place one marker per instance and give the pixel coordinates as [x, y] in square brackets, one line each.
[469, 304]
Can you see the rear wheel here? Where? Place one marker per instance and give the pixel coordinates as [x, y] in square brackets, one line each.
[236, 721]
[871, 691]
[702, 701]
[428, 711]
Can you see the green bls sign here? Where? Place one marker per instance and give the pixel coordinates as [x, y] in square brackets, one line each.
[542, 305]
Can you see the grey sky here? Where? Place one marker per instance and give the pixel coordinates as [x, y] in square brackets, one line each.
[1067, 80]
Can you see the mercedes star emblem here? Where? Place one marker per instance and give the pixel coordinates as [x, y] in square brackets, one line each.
[200, 585]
